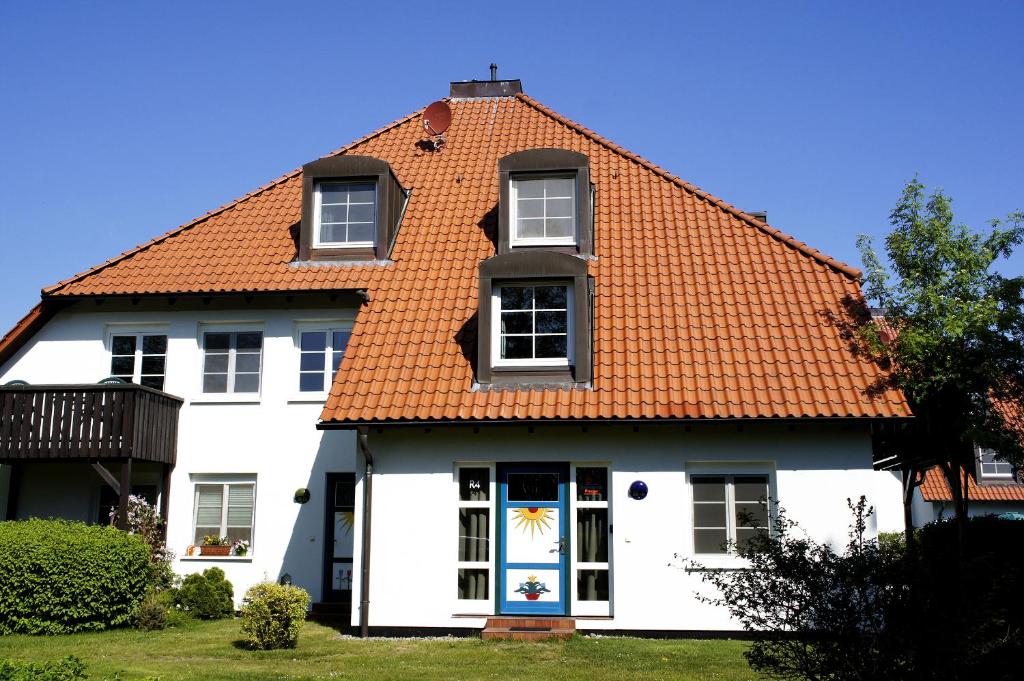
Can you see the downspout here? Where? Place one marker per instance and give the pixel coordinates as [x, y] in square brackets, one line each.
[364, 581]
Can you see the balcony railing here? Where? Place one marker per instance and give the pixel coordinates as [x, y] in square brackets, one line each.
[87, 422]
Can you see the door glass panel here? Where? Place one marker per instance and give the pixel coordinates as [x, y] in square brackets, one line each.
[592, 484]
[473, 584]
[533, 486]
[474, 534]
[592, 535]
[592, 585]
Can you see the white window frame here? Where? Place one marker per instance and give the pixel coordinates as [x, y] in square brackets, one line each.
[473, 606]
[992, 477]
[496, 358]
[137, 331]
[328, 326]
[230, 328]
[513, 212]
[318, 205]
[225, 481]
[729, 471]
[588, 608]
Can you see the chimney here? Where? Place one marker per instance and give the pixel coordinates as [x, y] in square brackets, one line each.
[467, 89]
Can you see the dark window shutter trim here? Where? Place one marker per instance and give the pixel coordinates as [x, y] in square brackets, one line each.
[543, 162]
[391, 201]
[537, 265]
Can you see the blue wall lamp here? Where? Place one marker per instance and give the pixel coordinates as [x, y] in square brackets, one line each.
[638, 490]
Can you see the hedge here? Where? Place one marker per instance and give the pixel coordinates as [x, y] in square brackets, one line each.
[58, 576]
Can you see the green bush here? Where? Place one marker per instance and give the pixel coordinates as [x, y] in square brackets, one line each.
[68, 669]
[152, 613]
[58, 577]
[207, 596]
[272, 615]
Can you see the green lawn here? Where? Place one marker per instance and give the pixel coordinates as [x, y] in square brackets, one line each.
[207, 650]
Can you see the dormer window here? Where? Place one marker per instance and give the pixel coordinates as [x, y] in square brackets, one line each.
[543, 211]
[545, 202]
[991, 468]
[535, 320]
[346, 214]
[351, 209]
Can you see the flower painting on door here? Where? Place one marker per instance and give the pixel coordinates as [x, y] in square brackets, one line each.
[532, 589]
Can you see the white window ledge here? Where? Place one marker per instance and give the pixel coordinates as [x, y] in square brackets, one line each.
[308, 398]
[226, 398]
[230, 559]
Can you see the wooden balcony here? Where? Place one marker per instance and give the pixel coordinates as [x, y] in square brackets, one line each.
[90, 422]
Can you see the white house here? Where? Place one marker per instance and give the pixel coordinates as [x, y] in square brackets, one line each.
[513, 369]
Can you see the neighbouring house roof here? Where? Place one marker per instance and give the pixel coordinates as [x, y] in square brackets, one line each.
[701, 311]
[935, 488]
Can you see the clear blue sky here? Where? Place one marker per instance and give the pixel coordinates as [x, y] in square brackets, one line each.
[121, 120]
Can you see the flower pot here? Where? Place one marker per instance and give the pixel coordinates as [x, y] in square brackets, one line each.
[532, 597]
[216, 550]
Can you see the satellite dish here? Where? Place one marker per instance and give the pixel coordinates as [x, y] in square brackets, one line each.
[437, 118]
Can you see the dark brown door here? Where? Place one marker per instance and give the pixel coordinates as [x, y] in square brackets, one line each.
[339, 531]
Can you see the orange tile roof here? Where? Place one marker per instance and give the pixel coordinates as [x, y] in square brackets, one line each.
[702, 311]
[935, 488]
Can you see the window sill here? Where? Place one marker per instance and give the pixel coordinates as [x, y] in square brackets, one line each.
[308, 398]
[230, 559]
[715, 563]
[226, 398]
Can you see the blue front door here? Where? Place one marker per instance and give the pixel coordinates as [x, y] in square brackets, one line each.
[534, 539]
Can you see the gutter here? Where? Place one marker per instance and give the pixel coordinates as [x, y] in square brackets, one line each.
[364, 581]
[733, 420]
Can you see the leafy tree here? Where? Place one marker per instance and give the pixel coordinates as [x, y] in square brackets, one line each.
[953, 337]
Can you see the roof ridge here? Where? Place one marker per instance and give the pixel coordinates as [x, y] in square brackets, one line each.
[806, 249]
[49, 290]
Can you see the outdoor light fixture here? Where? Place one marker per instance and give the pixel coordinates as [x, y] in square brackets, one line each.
[301, 495]
[638, 490]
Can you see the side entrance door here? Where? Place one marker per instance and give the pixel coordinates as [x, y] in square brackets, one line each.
[338, 535]
[532, 565]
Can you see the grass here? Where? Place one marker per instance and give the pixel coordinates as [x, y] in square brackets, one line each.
[210, 651]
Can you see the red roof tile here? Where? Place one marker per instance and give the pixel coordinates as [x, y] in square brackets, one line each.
[702, 311]
[935, 488]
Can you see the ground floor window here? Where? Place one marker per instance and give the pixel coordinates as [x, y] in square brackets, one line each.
[224, 509]
[476, 516]
[728, 509]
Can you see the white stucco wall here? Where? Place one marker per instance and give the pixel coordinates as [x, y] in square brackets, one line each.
[273, 438]
[413, 555]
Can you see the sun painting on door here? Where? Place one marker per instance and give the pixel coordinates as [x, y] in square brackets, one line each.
[536, 520]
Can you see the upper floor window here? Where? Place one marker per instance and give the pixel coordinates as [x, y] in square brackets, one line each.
[320, 354]
[351, 209]
[139, 358]
[544, 210]
[991, 468]
[728, 509]
[545, 201]
[533, 325]
[232, 361]
[346, 214]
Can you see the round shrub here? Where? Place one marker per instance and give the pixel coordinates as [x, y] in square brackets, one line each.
[207, 596]
[272, 615]
[58, 576]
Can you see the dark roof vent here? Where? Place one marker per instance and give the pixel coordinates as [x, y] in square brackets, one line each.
[761, 215]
